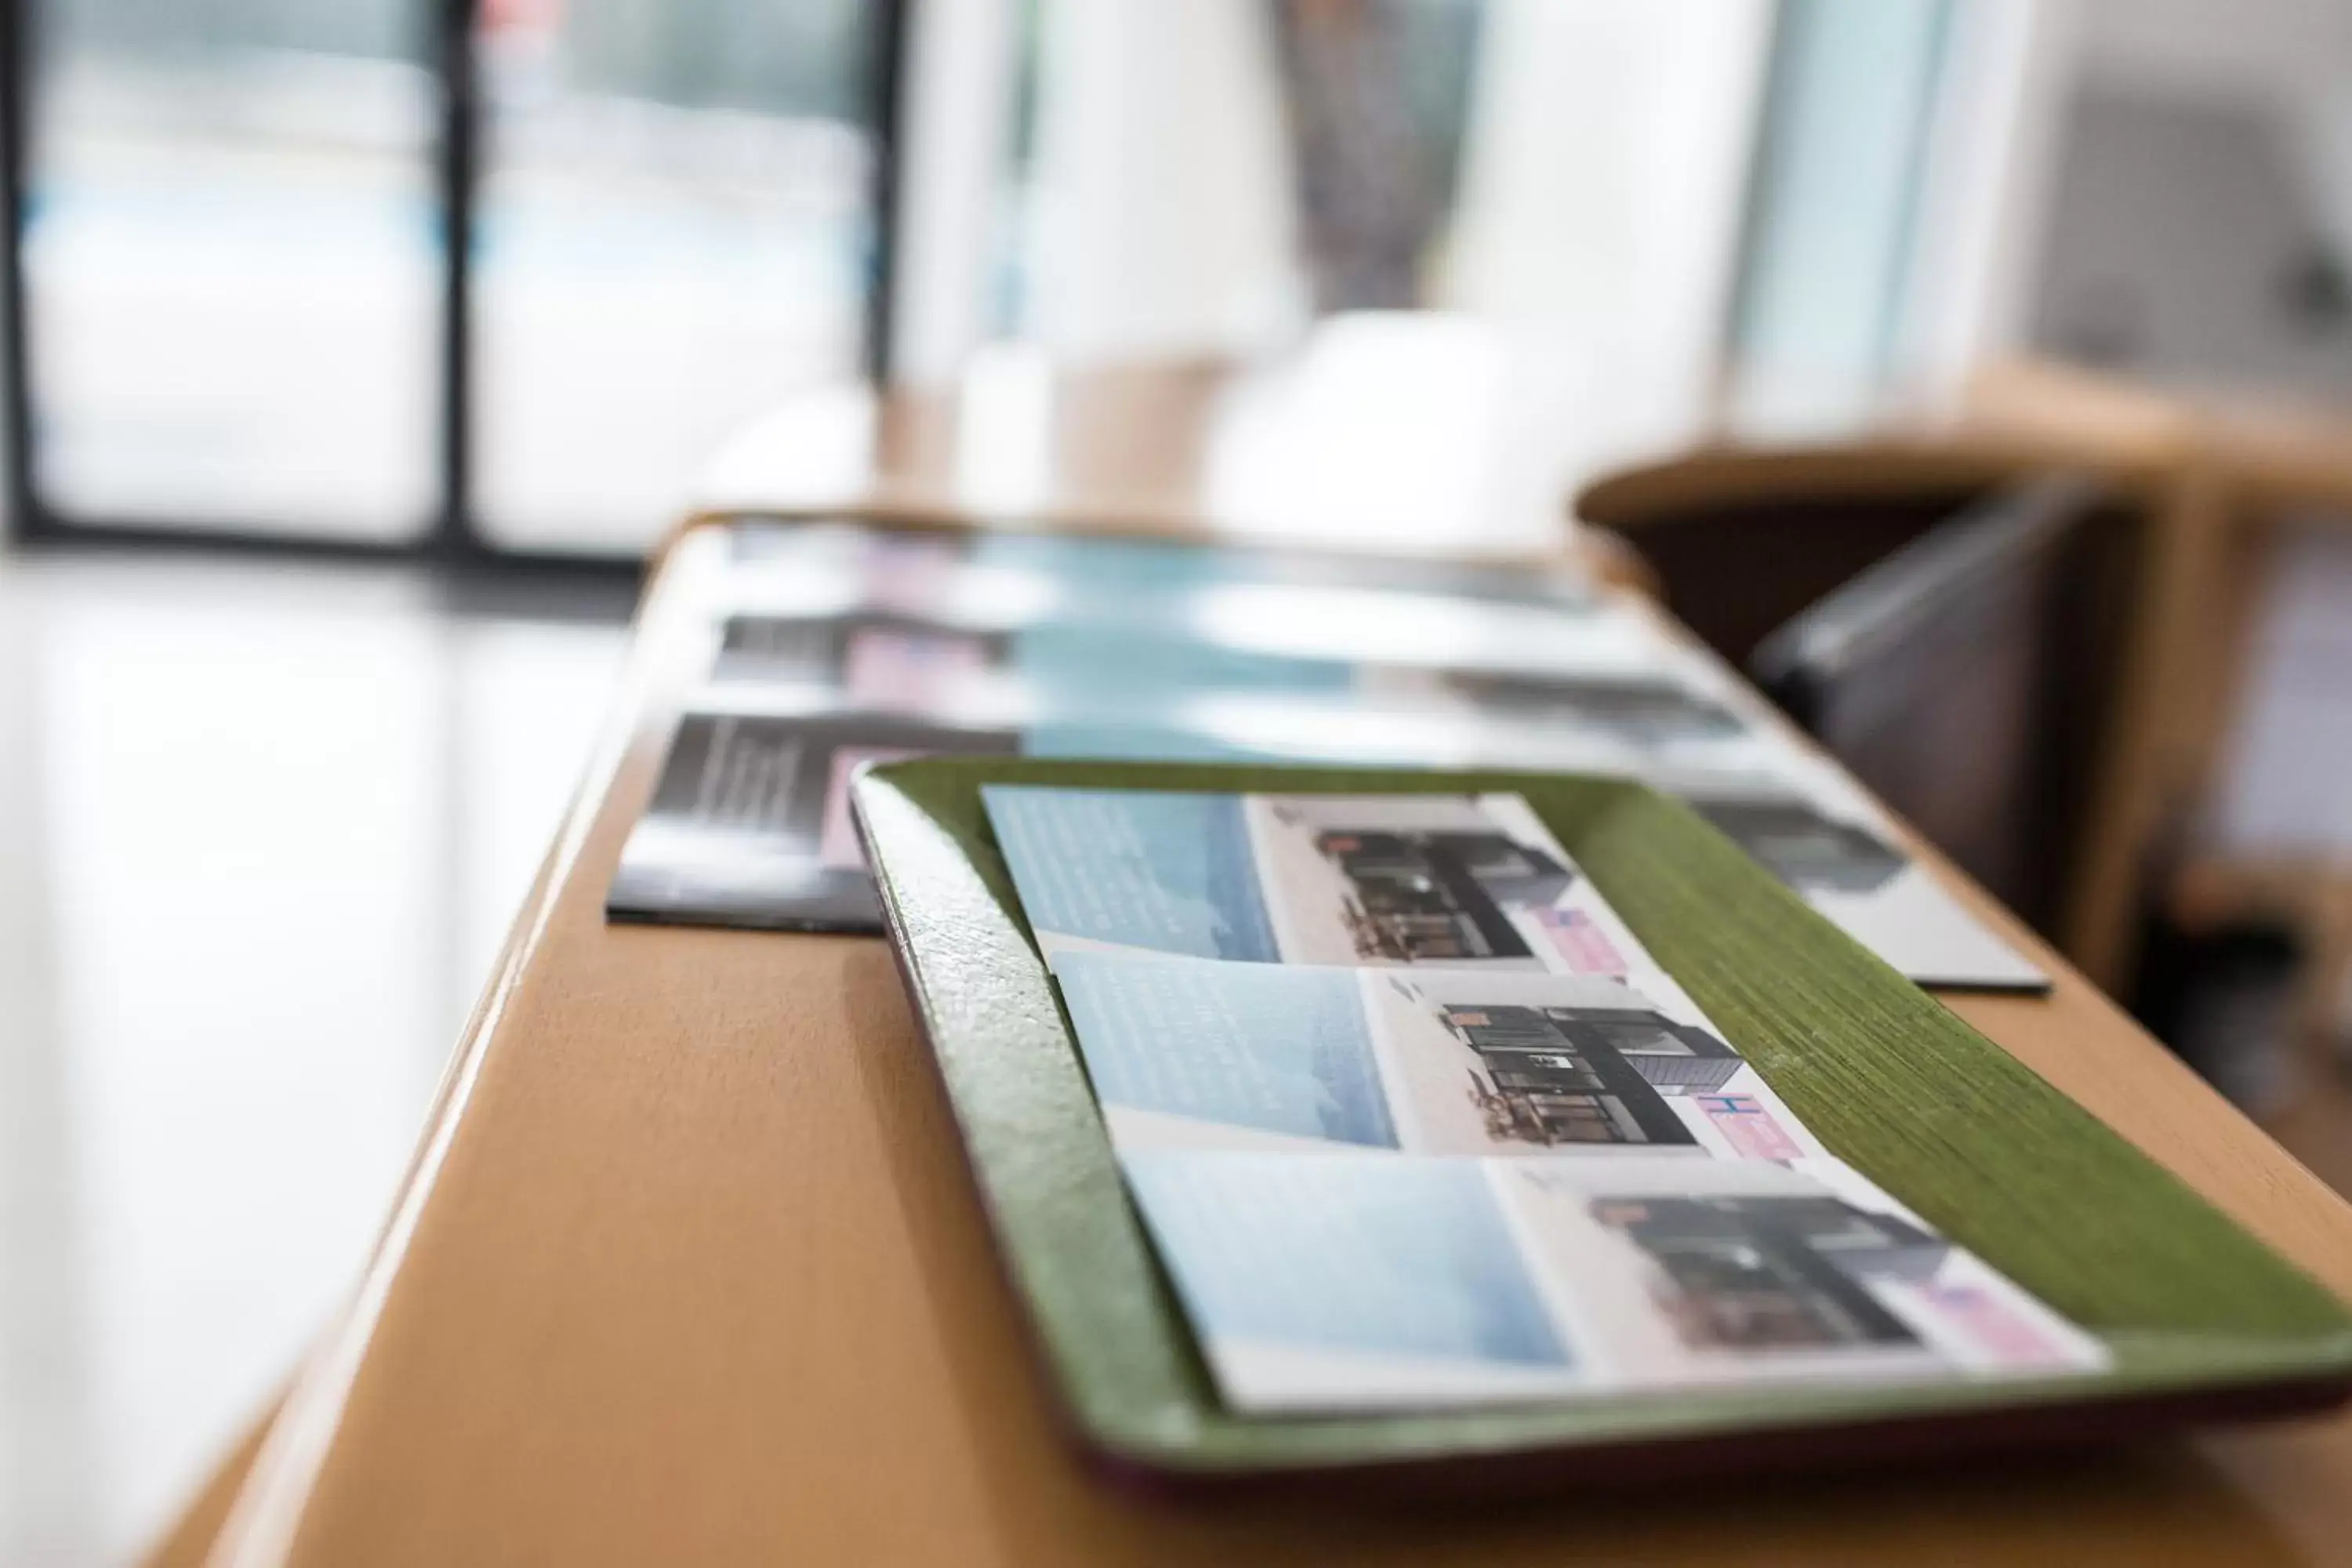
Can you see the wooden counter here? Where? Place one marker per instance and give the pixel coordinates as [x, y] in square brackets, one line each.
[689, 1270]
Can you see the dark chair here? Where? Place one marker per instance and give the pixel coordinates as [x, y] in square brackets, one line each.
[1967, 679]
[1738, 542]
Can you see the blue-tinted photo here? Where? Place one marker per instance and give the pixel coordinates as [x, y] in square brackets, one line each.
[1376, 1257]
[1168, 871]
[1279, 1049]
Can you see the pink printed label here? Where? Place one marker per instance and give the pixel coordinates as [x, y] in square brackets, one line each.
[1752, 1130]
[838, 850]
[2014, 1339]
[909, 670]
[910, 575]
[1580, 939]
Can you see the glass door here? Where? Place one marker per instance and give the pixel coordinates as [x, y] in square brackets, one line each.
[234, 309]
[229, 251]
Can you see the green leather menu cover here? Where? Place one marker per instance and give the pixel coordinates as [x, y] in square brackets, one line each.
[2201, 1319]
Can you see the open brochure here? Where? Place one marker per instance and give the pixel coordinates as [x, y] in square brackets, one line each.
[1416, 1120]
[1321, 1284]
[1153, 652]
[1203, 1054]
[1233, 860]
[1458, 880]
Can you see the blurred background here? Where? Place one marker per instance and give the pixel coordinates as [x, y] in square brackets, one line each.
[358, 351]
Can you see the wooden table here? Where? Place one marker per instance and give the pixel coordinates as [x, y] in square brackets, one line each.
[1404, 433]
[688, 1269]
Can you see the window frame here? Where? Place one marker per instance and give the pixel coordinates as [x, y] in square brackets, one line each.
[454, 536]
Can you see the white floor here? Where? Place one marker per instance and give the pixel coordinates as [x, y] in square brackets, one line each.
[261, 829]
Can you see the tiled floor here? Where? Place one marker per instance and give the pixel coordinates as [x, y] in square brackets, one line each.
[260, 830]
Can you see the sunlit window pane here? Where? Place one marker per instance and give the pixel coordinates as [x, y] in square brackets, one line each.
[231, 241]
[672, 233]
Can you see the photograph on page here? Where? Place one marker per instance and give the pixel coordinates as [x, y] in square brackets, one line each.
[1329, 1284]
[1380, 880]
[1073, 671]
[1204, 1054]
[1827, 844]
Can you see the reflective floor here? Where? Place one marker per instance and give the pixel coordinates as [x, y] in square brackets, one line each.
[261, 829]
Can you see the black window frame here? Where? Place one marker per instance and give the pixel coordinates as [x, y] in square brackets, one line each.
[454, 536]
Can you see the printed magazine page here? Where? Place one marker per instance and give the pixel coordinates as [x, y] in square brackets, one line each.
[1337, 1283]
[1154, 864]
[1829, 844]
[879, 659]
[750, 821]
[1458, 880]
[1415, 1119]
[1325, 619]
[1150, 650]
[1100, 561]
[1200, 1054]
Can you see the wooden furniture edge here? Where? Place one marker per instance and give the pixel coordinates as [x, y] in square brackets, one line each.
[287, 1448]
[2294, 1212]
[189, 1540]
[1872, 467]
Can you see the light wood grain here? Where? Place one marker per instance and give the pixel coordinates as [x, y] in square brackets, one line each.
[807, 1355]
[696, 1275]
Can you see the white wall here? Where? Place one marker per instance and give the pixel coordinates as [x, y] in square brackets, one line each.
[1161, 223]
[1991, 162]
[2230, 47]
[1601, 179]
[2293, 58]
[957, 136]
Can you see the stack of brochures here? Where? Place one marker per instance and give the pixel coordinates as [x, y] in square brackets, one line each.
[1415, 1121]
[829, 645]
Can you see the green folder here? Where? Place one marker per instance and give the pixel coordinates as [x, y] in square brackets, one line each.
[2202, 1322]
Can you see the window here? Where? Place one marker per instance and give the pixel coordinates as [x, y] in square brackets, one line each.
[230, 265]
[237, 307]
[671, 235]
[500, 274]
